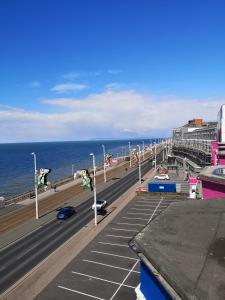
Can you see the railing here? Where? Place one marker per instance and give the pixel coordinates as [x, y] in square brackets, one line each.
[195, 144]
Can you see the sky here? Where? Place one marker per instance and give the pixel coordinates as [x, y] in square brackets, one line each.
[119, 69]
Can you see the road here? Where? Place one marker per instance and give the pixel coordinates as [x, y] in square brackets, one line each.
[19, 258]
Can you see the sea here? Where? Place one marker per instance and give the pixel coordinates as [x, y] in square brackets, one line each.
[63, 158]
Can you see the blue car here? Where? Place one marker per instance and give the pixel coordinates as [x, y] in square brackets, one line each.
[65, 212]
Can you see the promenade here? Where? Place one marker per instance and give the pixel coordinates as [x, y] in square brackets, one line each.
[69, 193]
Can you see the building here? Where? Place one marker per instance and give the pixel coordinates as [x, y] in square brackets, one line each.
[182, 253]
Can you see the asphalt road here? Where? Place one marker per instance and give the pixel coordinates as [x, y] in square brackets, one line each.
[107, 269]
[20, 257]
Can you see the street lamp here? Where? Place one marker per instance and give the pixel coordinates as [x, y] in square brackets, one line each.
[35, 183]
[155, 156]
[72, 170]
[104, 167]
[129, 153]
[122, 152]
[94, 188]
[139, 162]
[143, 148]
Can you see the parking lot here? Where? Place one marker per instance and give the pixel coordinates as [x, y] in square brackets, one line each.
[107, 269]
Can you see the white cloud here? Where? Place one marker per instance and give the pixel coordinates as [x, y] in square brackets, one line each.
[68, 87]
[109, 114]
[71, 75]
[112, 86]
[34, 84]
[74, 75]
[114, 71]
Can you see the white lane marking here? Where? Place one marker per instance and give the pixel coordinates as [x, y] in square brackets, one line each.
[125, 229]
[155, 210]
[122, 284]
[144, 205]
[149, 202]
[74, 291]
[98, 263]
[134, 218]
[131, 224]
[119, 236]
[138, 214]
[116, 255]
[102, 279]
[140, 208]
[113, 244]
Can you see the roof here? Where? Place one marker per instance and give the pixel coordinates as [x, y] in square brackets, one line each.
[186, 245]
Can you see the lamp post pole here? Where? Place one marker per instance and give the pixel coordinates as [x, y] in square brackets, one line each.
[94, 188]
[104, 168]
[143, 149]
[129, 153]
[155, 156]
[139, 162]
[72, 169]
[35, 183]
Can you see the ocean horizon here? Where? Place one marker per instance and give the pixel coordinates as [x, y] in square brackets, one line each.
[17, 163]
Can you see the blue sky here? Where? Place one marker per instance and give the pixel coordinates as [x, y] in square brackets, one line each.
[64, 61]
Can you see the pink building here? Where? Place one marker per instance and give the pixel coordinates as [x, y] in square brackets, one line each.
[213, 182]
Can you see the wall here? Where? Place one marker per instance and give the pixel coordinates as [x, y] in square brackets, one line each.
[150, 287]
[212, 189]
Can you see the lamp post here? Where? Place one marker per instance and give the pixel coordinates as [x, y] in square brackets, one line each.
[35, 183]
[104, 168]
[94, 188]
[143, 149]
[139, 162]
[129, 153]
[72, 169]
[155, 156]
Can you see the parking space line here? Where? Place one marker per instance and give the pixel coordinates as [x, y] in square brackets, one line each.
[98, 263]
[121, 229]
[144, 205]
[74, 291]
[119, 236]
[138, 214]
[131, 224]
[113, 244]
[122, 284]
[102, 279]
[155, 210]
[149, 202]
[140, 208]
[116, 255]
[128, 218]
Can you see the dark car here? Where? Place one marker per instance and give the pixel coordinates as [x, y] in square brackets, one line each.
[65, 212]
